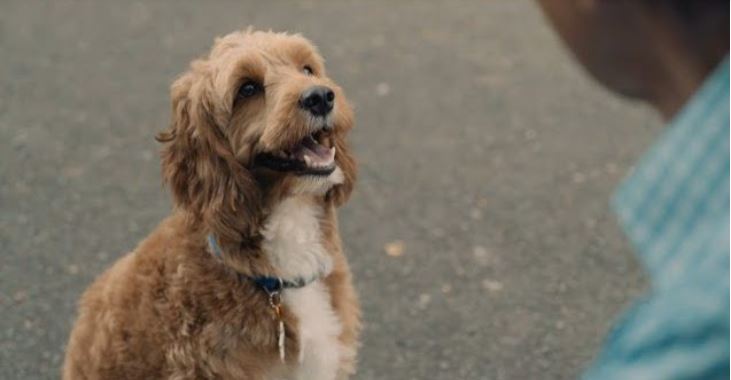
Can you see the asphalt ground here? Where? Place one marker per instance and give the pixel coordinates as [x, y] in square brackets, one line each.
[480, 234]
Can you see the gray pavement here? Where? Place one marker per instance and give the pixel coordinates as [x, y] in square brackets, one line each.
[485, 155]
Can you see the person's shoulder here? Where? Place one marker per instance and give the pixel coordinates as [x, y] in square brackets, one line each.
[679, 332]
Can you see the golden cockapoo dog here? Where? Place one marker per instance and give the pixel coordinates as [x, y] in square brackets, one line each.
[247, 278]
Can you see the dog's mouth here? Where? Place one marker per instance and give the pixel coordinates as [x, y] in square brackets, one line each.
[310, 156]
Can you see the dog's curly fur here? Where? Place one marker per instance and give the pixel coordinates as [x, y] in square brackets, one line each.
[170, 309]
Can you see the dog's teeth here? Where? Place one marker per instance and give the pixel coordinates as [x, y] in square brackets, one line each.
[308, 160]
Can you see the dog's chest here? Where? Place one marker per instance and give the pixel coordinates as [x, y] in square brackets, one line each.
[318, 331]
[292, 242]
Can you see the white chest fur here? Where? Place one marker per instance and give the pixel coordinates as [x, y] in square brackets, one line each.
[294, 247]
[292, 240]
[319, 328]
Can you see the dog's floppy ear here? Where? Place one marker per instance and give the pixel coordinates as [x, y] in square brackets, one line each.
[199, 167]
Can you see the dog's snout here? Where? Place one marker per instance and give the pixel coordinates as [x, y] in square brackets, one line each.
[318, 100]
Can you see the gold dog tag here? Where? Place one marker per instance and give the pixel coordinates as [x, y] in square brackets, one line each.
[275, 301]
[281, 340]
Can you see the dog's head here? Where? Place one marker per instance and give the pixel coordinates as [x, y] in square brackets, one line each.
[256, 119]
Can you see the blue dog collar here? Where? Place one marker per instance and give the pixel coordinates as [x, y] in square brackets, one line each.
[270, 285]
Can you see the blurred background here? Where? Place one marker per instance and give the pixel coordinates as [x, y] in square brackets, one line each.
[480, 234]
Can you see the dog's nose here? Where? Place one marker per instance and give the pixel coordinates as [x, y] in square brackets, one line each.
[318, 100]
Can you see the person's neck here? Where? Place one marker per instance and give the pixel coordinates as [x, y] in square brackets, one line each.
[669, 97]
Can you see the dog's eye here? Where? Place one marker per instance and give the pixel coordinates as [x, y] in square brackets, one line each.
[307, 69]
[249, 89]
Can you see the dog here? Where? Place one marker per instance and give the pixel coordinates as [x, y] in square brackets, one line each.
[246, 279]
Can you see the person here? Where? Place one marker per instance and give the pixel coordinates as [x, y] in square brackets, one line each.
[674, 207]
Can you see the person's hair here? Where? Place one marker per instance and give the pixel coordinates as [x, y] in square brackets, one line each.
[698, 10]
[701, 16]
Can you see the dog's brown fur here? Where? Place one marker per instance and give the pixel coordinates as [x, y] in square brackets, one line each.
[171, 310]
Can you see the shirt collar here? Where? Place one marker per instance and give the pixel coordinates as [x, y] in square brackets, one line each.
[683, 179]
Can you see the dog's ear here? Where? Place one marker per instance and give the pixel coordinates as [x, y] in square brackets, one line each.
[340, 193]
[199, 167]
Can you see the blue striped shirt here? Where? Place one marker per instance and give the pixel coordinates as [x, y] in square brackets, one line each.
[674, 208]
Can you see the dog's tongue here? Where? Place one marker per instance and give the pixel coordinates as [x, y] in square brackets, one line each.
[314, 152]
[310, 144]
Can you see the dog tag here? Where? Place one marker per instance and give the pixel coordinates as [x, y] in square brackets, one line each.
[281, 340]
[275, 301]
